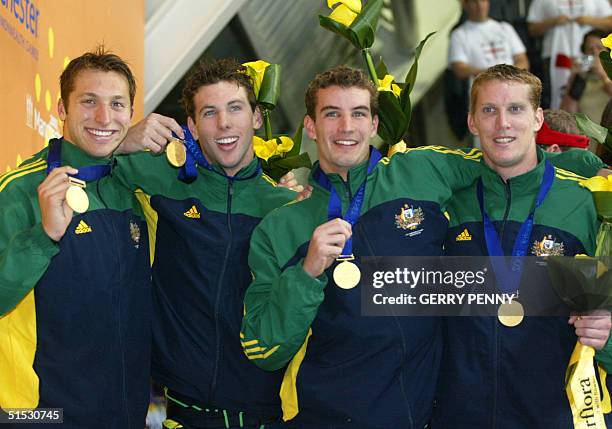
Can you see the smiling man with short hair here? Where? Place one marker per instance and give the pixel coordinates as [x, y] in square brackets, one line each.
[75, 305]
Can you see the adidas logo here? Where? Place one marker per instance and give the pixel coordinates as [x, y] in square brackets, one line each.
[82, 228]
[192, 213]
[464, 236]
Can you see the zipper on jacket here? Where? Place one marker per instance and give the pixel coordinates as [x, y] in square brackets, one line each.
[119, 324]
[119, 264]
[213, 383]
[347, 185]
[508, 191]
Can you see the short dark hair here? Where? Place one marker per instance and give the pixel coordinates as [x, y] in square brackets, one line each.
[344, 77]
[507, 73]
[600, 34]
[98, 59]
[209, 72]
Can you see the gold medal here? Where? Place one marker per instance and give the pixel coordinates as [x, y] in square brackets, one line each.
[511, 314]
[346, 273]
[76, 197]
[176, 153]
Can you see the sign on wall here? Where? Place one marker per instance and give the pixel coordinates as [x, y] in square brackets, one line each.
[37, 40]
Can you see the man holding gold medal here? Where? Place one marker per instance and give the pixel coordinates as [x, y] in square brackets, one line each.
[508, 372]
[303, 309]
[202, 201]
[75, 300]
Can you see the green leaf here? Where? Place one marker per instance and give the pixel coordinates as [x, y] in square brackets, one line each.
[381, 69]
[301, 160]
[393, 123]
[338, 28]
[606, 62]
[297, 142]
[275, 173]
[591, 129]
[407, 109]
[270, 86]
[366, 22]
[412, 73]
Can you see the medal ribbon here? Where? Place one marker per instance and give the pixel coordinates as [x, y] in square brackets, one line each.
[88, 173]
[334, 207]
[194, 156]
[508, 280]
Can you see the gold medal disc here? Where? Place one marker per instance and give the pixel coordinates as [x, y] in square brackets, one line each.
[77, 199]
[176, 153]
[511, 314]
[347, 275]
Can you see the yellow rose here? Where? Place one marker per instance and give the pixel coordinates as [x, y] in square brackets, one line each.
[346, 12]
[256, 70]
[285, 146]
[607, 42]
[264, 149]
[386, 84]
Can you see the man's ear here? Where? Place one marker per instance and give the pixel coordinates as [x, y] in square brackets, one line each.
[375, 124]
[539, 113]
[309, 126]
[192, 128]
[61, 109]
[257, 118]
[472, 125]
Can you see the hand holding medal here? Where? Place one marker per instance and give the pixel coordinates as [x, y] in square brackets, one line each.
[326, 245]
[346, 274]
[56, 214]
[76, 197]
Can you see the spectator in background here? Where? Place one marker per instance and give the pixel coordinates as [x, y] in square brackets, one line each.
[479, 43]
[563, 24]
[560, 132]
[590, 89]
[482, 42]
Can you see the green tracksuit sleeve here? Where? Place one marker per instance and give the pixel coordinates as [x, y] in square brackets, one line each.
[145, 170]
[279, 306]
[25, 249]
[581, 162]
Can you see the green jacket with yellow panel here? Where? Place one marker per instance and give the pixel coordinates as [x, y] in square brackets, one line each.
[200, 233]
[342, 368]
[74, 314]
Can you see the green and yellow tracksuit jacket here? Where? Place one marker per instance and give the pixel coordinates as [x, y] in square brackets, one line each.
[200, 235]
[74, 315]
[342, 368]
[499, 377]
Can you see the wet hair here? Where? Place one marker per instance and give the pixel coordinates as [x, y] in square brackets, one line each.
[210, 72]
[99, 60]
[344, 77]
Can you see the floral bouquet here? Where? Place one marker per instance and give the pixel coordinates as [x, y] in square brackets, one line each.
[358, 25]
[279, 154]
[585, 284]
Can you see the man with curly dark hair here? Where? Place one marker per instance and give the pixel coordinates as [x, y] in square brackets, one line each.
[200, 228]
